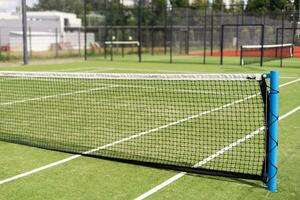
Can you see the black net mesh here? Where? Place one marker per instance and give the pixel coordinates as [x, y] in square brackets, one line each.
[200, 123]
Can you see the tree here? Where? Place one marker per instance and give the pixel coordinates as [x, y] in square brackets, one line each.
[179, 3]
[200, 3]
[267, 5]
[217, 4]
[257, 5]
[238, 8]
[296, 3]
[72, 6]
[278, 5]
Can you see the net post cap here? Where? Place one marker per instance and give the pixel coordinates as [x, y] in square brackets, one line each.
[268, 75]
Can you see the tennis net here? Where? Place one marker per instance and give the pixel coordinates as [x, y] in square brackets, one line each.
[254, 53]
[209, 123]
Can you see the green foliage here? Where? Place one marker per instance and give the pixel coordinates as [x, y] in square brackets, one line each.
[257, 5]
[268, 5]
[237, 8]
[217, 4]
[278, 5]
[179, 3]
[159, 3]
[200, 4]
[296, 3]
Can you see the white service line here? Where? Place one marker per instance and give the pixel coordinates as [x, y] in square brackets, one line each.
[69, 69]
[56, 95]
[83, 69]
[126, 139]
[289, 77]
[211, 157]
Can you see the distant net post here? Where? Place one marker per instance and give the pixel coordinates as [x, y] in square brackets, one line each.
[273, 131]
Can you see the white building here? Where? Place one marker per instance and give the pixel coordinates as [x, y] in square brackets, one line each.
[37, 41]
[44, 27]
[63, 19]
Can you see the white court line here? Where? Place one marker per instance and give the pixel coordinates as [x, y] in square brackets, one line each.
[56, 95]
[39, 169]
[291, 82]
[69, 69]
[289, 77]
[109, 86]
[89, 69]
[122, 140]
[211, 157]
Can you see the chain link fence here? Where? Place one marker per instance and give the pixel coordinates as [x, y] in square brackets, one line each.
[148, 33]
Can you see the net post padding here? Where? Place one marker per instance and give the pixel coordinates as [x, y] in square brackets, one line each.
[273, 131]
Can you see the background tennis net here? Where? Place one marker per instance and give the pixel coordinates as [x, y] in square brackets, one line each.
[252, 53]
[172, 121]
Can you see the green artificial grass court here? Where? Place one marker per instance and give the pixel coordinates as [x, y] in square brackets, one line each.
[68, 115]
[92, 178]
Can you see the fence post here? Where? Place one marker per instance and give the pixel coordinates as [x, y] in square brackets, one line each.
[85, 26]
[122, 29]
[139, 30]
[237, 35]
[105, 33]
[211, 33]
[294, 26]
[111, 32]
[152, 30]
[241, 55]
[171, 36]
[56, 42]
[222, 43]
[165, 29]
[187, 44]
[79, 42]
[30, 42]
[262, 45]
[282, 38]
[204, 36]
[24, 25]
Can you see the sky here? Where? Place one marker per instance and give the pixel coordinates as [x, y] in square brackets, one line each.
[10, 5]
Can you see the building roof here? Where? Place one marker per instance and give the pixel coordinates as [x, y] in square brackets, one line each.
[14, 15]
[20, 33]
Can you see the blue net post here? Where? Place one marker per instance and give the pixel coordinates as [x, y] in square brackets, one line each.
[273, 131]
